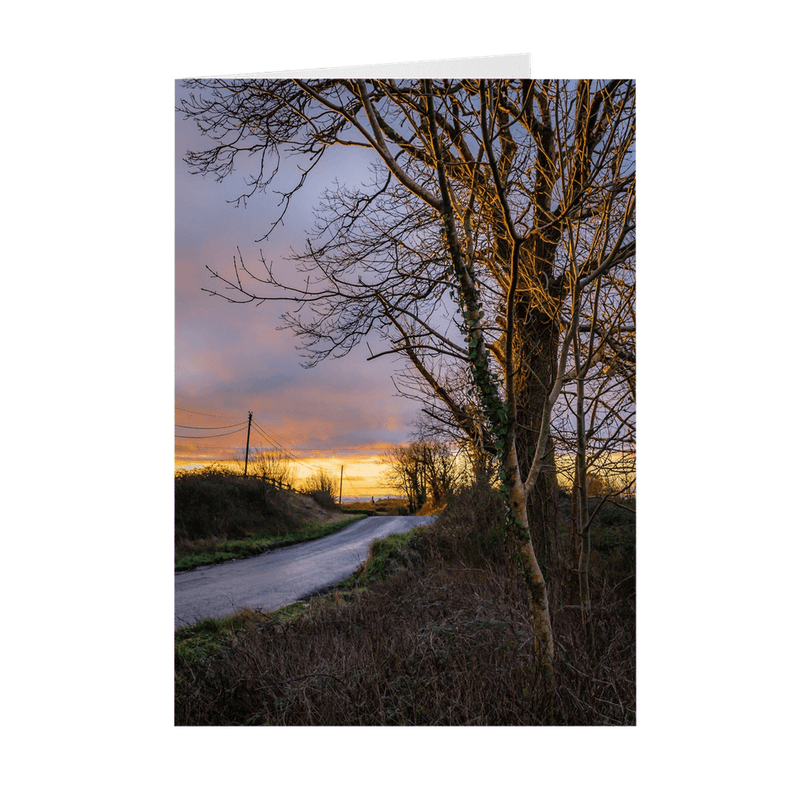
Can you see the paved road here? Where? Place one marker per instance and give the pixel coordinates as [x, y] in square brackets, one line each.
[282, 576]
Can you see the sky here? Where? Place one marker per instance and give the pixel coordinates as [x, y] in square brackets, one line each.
[231, 360]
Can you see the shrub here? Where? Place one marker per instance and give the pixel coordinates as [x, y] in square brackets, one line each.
[322, 488]
[611, 514]
[473, 524]
[214, 503]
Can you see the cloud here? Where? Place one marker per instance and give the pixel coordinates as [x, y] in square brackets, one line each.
[230, 358]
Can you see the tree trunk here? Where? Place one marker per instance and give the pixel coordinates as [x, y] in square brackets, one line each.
[535, 359]
[582, 479]
[532, 574]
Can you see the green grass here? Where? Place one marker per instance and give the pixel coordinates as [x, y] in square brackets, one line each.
[252, 544]
[195, 644]
[209, 636]
[386, 556]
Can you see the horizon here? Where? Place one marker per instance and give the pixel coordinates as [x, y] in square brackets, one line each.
[362, 477]
[363, 466]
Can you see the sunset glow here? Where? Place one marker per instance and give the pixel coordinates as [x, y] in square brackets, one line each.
[360, 470]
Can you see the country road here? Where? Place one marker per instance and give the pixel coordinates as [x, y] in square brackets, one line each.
[282, 576]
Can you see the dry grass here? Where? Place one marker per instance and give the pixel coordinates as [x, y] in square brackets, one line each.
[442, 640]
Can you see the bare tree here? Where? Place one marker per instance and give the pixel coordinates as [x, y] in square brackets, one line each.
[495, 209]
[406, 473]
[439, 466]
[596, 421]
[322, 487]
[426, 469]
[273, 467]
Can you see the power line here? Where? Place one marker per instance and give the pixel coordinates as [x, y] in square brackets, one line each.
[203, 414]
[201, 428]
[292, 453]
[269, 440]
[334, 449]
[212, 436]
[273, 445]
[352, 488]
[273, 441]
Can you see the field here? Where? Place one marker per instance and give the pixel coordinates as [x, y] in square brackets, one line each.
[392, 506]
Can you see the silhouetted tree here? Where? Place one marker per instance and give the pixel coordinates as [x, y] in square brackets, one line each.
[406, 473]
[322, 487]
[425, 469]
[272, 466]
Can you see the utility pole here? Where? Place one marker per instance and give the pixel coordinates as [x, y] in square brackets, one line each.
[341, 478]
[247, 448]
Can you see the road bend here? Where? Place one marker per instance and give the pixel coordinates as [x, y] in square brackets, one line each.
[282, 576]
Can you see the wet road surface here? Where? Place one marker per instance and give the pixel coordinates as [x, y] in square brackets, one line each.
[282, 576]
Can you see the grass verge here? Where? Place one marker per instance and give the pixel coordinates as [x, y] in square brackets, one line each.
[213, 551]
[207, 637]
